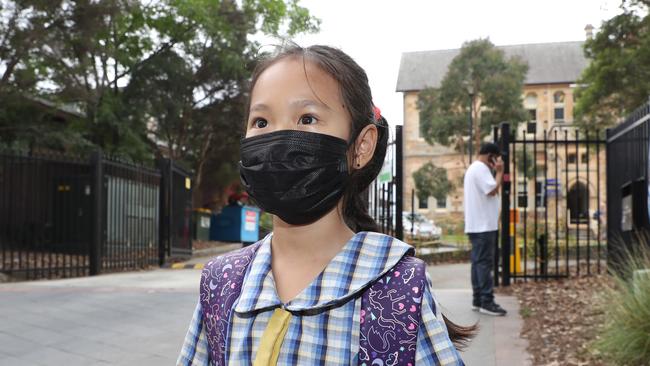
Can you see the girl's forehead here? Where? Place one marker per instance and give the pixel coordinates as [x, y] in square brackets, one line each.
[294, 78]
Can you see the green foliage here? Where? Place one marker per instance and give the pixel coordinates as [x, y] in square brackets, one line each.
[617, 79]
[625, 336]
[496, 85]
[151, 78]
[432, 181]
[526, 165]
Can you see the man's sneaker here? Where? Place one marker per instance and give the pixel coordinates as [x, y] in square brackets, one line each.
[476, 305]
[492, 309]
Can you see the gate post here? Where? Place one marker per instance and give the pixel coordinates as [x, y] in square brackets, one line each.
[95, 252]
[399, 184]
[495, 139]
[164, 216]
[505, 205]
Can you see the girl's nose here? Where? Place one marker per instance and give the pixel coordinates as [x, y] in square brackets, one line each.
[286, 123]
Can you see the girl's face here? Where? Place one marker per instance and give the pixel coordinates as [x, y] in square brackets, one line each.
[292, 94]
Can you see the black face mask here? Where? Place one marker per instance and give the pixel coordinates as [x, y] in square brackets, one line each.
[298, 176]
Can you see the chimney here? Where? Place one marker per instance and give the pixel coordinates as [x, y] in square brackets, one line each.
[589, 31]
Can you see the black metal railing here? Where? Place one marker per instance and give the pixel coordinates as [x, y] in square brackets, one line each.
[385, 194]
[552, 206]
[628, 184]
[45, 215]
[67, 216]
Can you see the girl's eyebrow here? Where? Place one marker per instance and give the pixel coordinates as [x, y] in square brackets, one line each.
[308, 103]
[259, 107]
[296, 103]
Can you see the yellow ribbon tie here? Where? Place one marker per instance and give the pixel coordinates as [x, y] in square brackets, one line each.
[269, 350]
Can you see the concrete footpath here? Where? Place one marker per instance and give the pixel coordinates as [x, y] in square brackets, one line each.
[498, 342]
[140, 318]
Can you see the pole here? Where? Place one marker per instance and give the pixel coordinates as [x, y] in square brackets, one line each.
[505, 205]
[399, 187]
[412, 211]
[98, 214]
[495, 139]
[470, 140]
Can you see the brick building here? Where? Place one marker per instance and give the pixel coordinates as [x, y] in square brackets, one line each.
[547, 95]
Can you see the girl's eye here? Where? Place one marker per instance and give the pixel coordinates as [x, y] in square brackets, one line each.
[260, 123]
[308, 120]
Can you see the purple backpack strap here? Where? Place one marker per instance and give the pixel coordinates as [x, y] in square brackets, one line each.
[390, 315]
[221, 282]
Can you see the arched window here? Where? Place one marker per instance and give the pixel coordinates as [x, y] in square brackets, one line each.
[558, 105]
[530, 103]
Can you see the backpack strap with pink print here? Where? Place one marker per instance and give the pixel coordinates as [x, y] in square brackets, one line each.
[390, 315]
[389, 319]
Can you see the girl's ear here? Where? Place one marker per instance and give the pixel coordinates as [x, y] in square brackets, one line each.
[365, 145]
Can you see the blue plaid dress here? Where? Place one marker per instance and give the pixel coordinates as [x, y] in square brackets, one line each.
[327, 330]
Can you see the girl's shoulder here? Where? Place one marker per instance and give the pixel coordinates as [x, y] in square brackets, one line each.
[239, 258]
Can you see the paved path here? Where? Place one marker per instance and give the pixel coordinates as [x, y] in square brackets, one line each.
[498, 342]
[141, 318]
[116, 319]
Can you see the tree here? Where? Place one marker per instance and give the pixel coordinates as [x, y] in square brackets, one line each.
[617, 79]
[194, 92]
[151, 78]
[495, 85]
[526, 165]
[432, 181]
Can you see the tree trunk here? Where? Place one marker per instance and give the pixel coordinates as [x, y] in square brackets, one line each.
[476, 117]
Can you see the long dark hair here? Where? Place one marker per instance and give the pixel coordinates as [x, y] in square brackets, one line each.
[356, 94]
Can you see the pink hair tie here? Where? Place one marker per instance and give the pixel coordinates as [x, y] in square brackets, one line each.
[377, 113]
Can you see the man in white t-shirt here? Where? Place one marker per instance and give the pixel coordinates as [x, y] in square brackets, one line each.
[481, 205]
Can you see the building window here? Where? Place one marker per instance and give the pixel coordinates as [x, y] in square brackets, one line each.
[423, 204]
[540, 196]
[584, 158]
[571, 158]
[522, 194]
[441, 203]
[532, 114]
[558, 105]
[530, 103]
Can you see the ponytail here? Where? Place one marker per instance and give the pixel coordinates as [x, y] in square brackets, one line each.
[458, 334]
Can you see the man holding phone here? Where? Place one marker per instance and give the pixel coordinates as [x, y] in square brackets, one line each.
[481, 205]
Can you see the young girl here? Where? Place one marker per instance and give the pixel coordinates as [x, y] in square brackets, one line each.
[324, 287]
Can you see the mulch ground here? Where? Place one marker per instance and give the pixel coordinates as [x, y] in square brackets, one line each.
[561, 319]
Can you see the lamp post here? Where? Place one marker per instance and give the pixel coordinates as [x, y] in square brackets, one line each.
[470, 91]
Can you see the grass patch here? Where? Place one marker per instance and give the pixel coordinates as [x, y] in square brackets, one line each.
[525, 312]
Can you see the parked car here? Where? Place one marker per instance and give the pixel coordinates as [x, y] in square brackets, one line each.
[423, 228]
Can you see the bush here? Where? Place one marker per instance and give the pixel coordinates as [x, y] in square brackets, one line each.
[625, 336]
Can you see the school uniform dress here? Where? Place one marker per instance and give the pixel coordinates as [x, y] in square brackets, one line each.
[325, 322]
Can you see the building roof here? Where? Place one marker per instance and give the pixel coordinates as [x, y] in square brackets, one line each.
[548, 63]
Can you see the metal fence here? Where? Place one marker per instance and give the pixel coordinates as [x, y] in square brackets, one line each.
[45, 216]
[176, 200]
[552, 204]
[129, 202]
[628, 188]
[385, 194]
[67, 216]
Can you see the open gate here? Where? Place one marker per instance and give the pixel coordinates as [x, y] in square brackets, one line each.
[552, 212]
